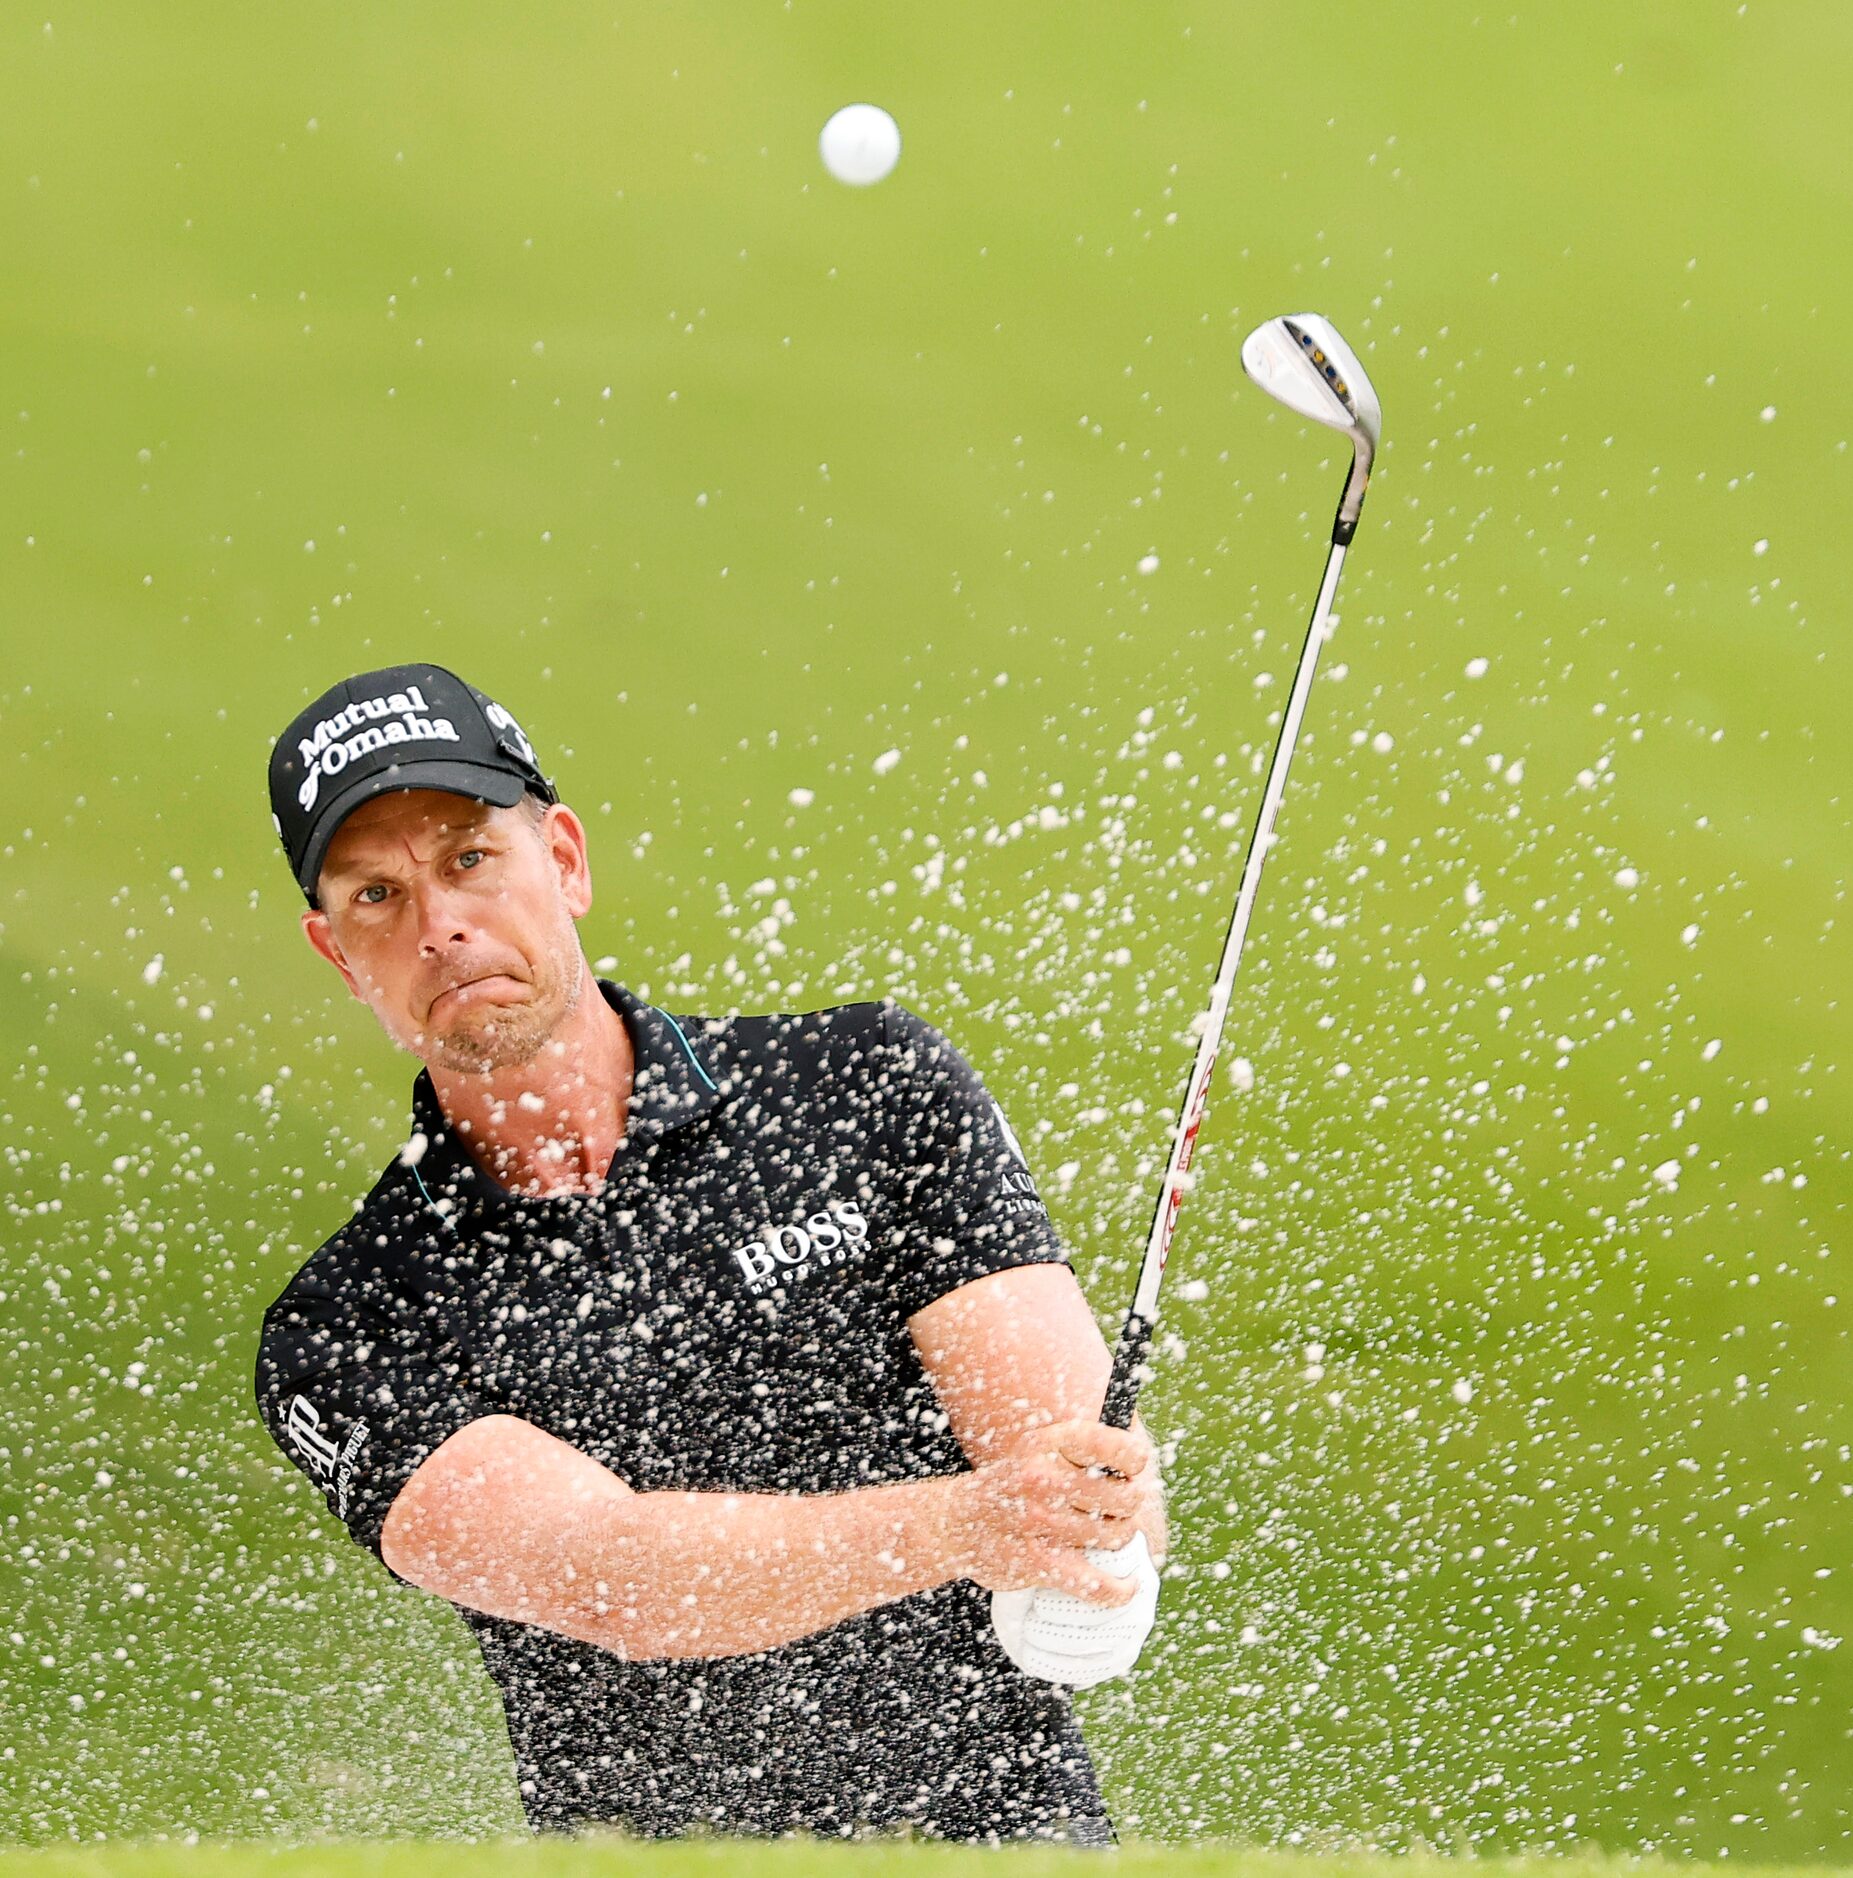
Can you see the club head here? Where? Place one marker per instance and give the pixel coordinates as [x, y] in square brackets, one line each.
[1301, 360]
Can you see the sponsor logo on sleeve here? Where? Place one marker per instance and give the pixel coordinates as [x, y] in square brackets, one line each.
[1016, 1189]
[328, 1463]
[369, 724]
[1010, 1138]
[788, 1254]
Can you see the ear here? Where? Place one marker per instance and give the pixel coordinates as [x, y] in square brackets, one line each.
[564, 837]
[320, 935]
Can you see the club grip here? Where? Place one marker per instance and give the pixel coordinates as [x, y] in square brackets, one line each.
[1134, 1346]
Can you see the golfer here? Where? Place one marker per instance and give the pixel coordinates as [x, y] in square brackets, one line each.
[715, 1369]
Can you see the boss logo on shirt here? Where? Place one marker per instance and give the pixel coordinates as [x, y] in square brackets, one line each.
[824, 1238]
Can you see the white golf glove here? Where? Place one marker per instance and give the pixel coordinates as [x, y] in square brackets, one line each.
[1057, 1637]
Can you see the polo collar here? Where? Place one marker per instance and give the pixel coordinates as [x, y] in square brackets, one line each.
[671, 1086]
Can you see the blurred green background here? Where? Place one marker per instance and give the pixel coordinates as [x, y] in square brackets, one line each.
[1512, 1458]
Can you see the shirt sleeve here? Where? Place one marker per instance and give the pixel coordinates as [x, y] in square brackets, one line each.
[356, 1395]
[968, 1202]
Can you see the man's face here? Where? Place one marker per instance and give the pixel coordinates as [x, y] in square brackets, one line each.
[452, 921]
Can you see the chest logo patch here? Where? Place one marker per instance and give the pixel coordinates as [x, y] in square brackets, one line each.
[831, 1236]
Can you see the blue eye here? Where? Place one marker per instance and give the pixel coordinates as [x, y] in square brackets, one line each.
[372, 896]
[469, 857]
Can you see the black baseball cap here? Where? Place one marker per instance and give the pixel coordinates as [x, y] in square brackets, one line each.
[406, 727]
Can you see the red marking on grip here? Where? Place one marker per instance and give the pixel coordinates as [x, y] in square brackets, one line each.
[1174, 1198]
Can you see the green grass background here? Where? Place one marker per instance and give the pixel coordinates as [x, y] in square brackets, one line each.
[1512, 1481]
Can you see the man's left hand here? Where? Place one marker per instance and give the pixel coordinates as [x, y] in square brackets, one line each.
[1062, 1639]
[1056, 1637]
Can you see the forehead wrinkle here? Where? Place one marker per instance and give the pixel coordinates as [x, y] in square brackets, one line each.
[467, 818]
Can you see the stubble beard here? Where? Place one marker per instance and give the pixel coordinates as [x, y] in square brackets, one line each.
[507, 1037]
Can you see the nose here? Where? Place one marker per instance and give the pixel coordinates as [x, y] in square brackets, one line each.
[442, 918]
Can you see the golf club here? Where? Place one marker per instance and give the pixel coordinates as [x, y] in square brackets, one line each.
[1301, 360]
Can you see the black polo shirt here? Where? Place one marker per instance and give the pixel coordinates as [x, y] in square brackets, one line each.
[728, 1314]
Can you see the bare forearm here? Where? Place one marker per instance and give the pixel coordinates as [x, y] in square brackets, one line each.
[1015, 1353]
[506, 1519]
[710, 1574]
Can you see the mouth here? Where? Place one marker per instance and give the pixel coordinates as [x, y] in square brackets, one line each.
[492, 988]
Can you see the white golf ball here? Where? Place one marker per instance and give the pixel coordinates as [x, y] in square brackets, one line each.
[860, 144]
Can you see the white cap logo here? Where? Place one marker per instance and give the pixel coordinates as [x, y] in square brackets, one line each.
[502, 721]
[366, 725]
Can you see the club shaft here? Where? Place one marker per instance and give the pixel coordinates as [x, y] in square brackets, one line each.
[1129, 1356]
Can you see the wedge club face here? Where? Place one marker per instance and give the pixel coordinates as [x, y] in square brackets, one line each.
[1301, 360]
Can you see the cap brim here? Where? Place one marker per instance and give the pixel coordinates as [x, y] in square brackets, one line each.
[476, 780]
